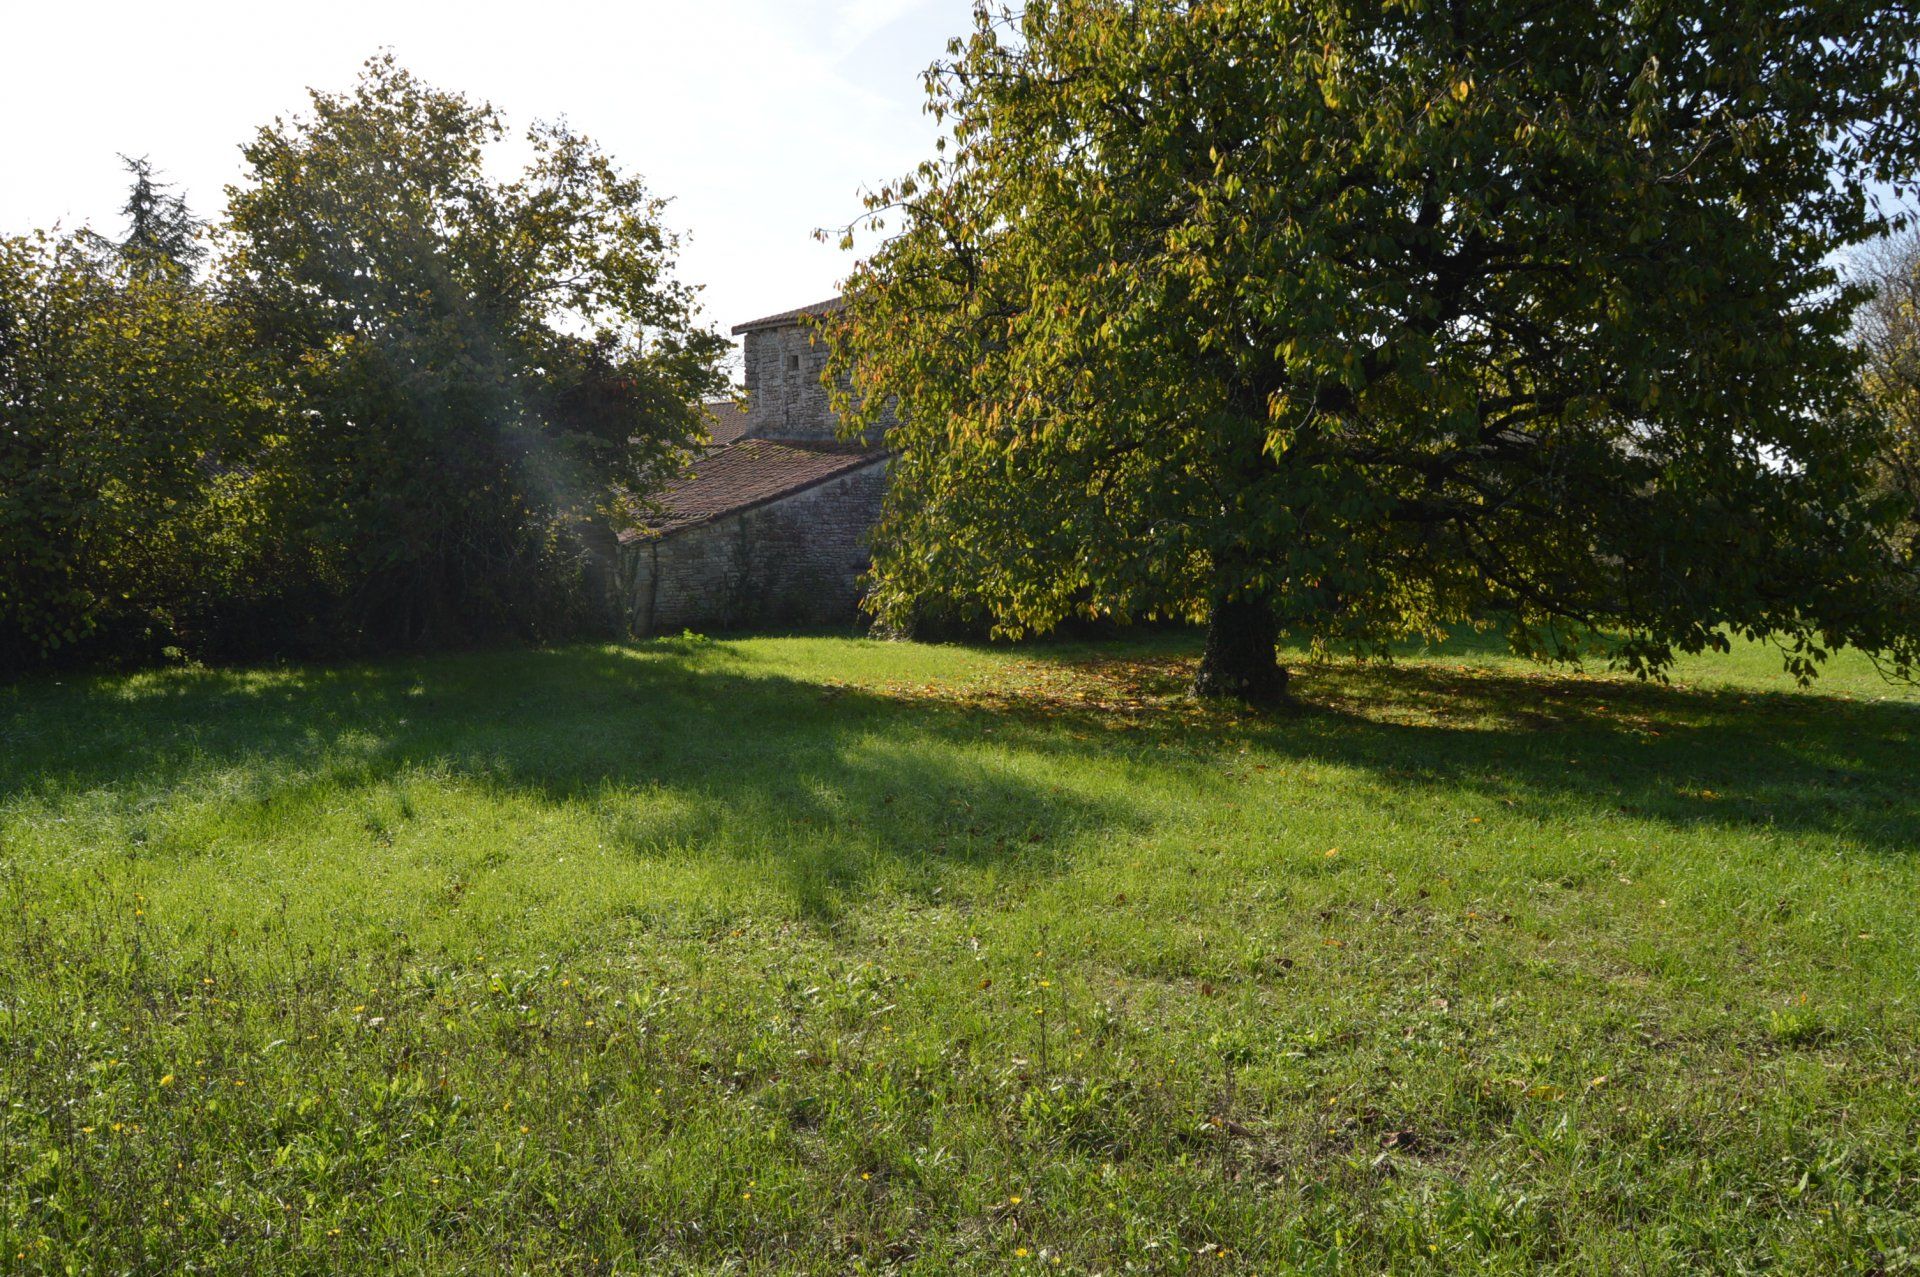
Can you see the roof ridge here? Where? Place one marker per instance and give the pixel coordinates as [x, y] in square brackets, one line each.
[826, 307]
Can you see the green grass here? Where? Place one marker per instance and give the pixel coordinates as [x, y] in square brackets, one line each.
[816, 955]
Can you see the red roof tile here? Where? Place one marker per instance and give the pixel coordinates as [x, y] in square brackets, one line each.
[726, 421]
[750, 473]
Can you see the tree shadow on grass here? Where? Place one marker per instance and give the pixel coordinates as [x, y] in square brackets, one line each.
[677, 749]
[831, 787]
[1683, 757]
[1535, 737]
[1532, 737]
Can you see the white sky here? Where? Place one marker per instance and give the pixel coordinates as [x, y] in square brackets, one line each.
[761, 119]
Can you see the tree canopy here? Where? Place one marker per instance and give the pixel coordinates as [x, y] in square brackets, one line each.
[1889, 337]
[408, 403]
[476, 367]
[120, 386]
[1365, 319]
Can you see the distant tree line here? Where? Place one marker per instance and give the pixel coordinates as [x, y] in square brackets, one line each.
[386, 401]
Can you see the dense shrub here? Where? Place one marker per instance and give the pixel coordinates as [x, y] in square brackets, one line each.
[401, 409]
[130, 412]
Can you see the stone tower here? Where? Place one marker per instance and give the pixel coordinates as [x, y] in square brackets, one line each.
[785, 399]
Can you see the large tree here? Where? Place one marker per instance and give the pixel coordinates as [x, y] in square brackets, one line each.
[475, 367]
[1889, 337]
[1360, 319]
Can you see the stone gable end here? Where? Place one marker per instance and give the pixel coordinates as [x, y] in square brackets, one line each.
[770, 529]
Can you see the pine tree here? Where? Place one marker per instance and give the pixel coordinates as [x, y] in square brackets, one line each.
[163, 237]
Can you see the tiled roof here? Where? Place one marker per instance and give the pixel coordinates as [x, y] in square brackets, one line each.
[727, 421]
[798, 313]
[750, 473]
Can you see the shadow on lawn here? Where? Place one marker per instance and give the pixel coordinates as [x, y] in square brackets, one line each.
[676, 748]
[1684, 757]
[1529, 736]
[828, 785]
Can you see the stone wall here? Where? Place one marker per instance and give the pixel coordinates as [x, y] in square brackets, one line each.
[785, 399]
[795, 561]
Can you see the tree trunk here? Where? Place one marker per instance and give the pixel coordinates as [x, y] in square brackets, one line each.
[1240, 662]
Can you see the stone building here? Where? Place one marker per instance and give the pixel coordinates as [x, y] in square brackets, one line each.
[769, 524]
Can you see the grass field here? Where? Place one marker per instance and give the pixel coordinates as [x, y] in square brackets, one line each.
[819, 955]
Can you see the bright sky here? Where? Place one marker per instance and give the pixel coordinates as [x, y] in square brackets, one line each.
[761, 119]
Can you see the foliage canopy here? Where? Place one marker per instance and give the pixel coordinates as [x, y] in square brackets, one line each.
[400, 409]
[127, 393]
[1889, 338]
[474, 367]
[1363, 319]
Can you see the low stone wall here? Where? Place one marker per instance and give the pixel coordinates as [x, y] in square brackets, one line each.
[796, 560]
